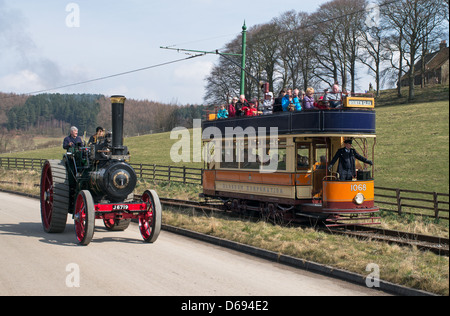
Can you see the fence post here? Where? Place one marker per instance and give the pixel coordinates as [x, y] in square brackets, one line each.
[170, 170]
[184, 174]
[399, 202]
[154, 172]
[436, 205]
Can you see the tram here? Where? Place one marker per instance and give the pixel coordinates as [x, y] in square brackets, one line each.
[278, 164]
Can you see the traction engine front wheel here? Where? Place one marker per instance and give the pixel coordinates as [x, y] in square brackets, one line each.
[150, 222]
[84, 216]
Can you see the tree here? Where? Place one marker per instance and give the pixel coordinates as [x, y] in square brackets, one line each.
[412, 21]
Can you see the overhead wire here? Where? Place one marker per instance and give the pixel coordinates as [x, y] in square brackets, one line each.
[107, 77]
[194, 56]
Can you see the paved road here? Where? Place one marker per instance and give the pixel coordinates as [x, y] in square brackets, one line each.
[119, 263]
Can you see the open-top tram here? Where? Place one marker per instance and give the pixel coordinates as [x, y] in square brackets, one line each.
[278, 164]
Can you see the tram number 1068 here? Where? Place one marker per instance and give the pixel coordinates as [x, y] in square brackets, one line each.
[358, 187]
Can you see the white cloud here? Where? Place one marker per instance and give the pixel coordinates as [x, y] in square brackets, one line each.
[23, 81]
[195, 71]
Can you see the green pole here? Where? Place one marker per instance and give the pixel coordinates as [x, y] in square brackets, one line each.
[244, 48]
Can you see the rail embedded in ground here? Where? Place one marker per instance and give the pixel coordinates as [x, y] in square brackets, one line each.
[401, 201]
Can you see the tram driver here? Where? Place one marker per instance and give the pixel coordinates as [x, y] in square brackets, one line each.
[346, 156]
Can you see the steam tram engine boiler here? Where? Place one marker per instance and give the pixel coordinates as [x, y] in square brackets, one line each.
[96, 182]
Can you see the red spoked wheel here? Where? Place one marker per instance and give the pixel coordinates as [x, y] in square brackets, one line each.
[150, 222]
[54, 196]
[84, 216]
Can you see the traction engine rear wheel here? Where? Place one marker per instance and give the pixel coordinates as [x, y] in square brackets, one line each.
[54, 196]
[150, 222]
[84, 216]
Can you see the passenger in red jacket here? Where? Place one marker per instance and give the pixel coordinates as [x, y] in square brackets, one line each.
[251, 110]
[232, 107]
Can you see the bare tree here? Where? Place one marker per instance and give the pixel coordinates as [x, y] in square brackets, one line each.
[412, 20]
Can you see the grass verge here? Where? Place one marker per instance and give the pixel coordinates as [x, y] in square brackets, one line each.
[406, 266]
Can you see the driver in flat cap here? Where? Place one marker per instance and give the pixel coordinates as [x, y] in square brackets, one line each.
[347, 156]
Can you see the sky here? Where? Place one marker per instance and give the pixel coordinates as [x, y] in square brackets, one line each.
[54, 43]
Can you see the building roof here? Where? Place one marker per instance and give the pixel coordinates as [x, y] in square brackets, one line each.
[433, 61]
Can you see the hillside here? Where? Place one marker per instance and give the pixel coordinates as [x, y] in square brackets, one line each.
[52, 115]
[412, 149]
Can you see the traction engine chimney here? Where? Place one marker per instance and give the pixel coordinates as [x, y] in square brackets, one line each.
[117, 103]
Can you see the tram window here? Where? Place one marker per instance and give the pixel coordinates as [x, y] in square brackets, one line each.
[320, 158]
[303, 156]
[250, 157]
[275, 155]
[281, 159]
[229, 155]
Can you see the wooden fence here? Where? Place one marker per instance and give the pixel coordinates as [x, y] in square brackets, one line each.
[428, 204]
[169, 173]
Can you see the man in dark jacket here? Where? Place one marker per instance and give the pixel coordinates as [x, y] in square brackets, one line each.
[99, 134]
[73, 139]
[240, 105]
[346, 156]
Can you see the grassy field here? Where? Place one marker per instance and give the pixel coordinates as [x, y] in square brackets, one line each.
[412, 152]
[406, 266]
[412, 149]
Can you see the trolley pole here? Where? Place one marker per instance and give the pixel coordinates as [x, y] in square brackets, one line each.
[244, 48]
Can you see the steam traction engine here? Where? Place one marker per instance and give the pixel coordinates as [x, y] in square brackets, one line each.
[96, 182]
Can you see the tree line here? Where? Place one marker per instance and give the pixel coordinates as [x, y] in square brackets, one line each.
[50, 114]
[55, 110]
[385, 39]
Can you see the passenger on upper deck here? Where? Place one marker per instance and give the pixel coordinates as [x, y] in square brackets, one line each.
[267, 104]
[277, 106]
[252, 109]
[296, 101]
[287, 100]
[240, 105]
[223, 113]
[232, 107]
[308, 100]
[334, 98]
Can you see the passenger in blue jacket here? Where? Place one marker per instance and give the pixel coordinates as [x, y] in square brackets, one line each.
[223, 113]
[296, 101]
[287, 100]
[73, 139]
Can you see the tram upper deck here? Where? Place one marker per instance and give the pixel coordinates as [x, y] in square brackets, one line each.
[357, 117]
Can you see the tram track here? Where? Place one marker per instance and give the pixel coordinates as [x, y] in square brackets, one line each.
[438, 245]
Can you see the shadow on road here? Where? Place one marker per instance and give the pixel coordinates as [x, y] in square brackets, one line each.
[67, 238]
